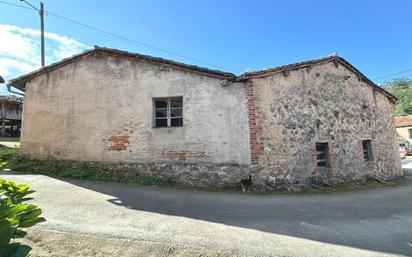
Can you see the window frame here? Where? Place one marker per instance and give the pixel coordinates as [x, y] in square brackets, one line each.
[326, 153]
[168, 117]
[367, 152]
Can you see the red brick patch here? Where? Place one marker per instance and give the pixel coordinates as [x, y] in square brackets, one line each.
[118, 142]
[360, 144]
[177, 156]
[314, 161]
[256, 147]
[332, 159]
[183, 156]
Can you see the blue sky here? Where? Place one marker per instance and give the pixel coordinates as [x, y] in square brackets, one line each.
[375, 36]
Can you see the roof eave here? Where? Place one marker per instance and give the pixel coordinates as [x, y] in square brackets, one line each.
[300, 65]
[20, 81]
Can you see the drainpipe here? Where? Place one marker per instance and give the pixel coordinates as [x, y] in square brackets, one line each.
[3, 122]
[12, 91]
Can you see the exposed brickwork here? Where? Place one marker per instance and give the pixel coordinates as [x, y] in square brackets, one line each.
[118, 142]
[313, 161]
[375, 149]
[183, 156]
[361, 149]
[332, 159]
[256, 147]
[176, 155]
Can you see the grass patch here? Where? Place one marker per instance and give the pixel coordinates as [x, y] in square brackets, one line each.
[9, 159]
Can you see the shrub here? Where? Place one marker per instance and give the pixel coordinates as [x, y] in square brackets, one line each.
[15, 215]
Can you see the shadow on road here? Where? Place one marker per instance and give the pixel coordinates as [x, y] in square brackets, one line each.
[375, 219]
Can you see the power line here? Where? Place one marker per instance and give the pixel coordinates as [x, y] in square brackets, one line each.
[123, 37]
[393, 74]
[135, 41]
[155, 47]
[16, 5]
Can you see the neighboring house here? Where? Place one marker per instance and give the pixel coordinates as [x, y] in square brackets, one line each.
[404, 127]
[11, 112]
[314, 122]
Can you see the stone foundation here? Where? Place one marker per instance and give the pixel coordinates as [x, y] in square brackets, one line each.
[192, 175]
[229, 175]
[322, 178]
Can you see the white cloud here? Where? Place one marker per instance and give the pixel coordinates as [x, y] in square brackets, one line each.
[20, 49]
[8, 66]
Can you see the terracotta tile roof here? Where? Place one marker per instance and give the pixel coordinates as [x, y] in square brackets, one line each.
[403, 121]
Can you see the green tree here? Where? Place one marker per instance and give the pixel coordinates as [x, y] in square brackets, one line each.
[402, 89]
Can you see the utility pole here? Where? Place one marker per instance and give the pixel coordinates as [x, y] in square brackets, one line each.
[41, 13]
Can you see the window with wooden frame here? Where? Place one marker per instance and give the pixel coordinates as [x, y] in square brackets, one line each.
[322, 154]
[168, 112]
[367, 150]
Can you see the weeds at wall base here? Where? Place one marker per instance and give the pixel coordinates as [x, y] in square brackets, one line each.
[9, 159]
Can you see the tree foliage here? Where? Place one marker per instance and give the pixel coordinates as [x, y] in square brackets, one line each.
[402, 89]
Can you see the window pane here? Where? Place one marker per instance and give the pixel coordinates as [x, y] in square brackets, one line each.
[176, 112]
[322, 154]
[161, 112]
[161, 103]
[161, 123]
[168, 112]
[367, 150]
[321, 147]
[177, 102]
[176, 122]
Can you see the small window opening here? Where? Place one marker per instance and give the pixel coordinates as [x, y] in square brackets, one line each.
[168, 112]
[410, 133]
[322, 154]
[367, 150]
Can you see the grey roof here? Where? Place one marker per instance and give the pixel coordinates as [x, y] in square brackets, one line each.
[20, 82]
[304, 64]
[11, 99]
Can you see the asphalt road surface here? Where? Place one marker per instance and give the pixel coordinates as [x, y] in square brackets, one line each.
[373, 222]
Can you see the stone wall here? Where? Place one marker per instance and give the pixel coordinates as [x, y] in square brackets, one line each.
[99, 108]
[323, 103]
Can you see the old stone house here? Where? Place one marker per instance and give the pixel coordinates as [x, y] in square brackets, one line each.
[315, 121]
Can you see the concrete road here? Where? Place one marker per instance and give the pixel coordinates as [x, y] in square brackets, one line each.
[375, 222]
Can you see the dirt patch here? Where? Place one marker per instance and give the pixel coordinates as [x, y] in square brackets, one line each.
[50, 243]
